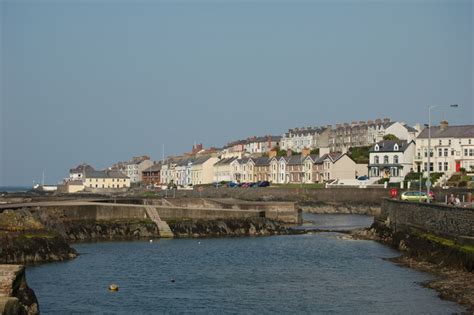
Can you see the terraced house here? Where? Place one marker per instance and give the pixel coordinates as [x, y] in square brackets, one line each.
[336, 165]
[296, 139]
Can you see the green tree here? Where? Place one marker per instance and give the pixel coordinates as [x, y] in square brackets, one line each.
[314, 151]
[390, 137]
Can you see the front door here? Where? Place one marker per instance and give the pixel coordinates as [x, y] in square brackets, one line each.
[458, 166]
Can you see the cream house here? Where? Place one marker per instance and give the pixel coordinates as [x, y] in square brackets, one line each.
[223, 170]
[202, 170]
[309, 168]
[337, 165]
[107, 179]
[262, 169]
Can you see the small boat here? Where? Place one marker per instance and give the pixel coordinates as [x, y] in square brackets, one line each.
[43, 187]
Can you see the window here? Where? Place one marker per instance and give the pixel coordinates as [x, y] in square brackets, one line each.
[395, 159]
[471, 152]
[440, 152]
[440, 166]
[445, 151]
[465, 152]
[452, 152]
[385, 159]
[449, 141]
[469, 141]
[445, 166]
[440, 142]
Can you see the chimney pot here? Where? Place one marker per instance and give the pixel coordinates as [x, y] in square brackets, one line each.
[443, 124]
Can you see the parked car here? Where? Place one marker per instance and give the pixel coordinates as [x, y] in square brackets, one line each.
[265, 183]
[363, 177]
[415, 196]
[253, 184]
[232, 185]
[245, 185]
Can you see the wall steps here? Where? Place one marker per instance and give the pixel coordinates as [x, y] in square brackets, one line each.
[163, 227]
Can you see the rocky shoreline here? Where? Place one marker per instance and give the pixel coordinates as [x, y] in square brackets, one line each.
[453, 267]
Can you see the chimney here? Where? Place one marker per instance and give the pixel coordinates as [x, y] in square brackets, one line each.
[305, 152]
[386, 120]
[272, 153]
[443, 125]
[289, 152]
[378, 121]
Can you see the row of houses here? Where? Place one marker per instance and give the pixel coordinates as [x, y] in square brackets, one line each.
[451, 150]
[255, 158]
[341, 137]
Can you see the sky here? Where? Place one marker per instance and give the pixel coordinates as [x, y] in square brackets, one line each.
[102, 81]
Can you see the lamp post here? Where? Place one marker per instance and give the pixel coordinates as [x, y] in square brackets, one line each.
[428, 181]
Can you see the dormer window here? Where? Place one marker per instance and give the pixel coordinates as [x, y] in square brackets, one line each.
[376, 148]
[395, 147]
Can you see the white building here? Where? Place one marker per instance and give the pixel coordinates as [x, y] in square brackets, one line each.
[223, 170]
[297, 139]
[452, 148]
[261, 144]
[401, 131]
[391, 159]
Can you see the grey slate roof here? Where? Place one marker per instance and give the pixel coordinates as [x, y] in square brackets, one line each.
[464, 131]
[262, 161]
[226, 161]
[80, 168]
[296, 159]
[333, 156]
[389, 146]
[104, 174]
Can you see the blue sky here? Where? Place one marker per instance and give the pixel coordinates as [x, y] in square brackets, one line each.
[101, 81]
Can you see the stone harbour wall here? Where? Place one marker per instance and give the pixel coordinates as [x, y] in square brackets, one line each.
[434, 218]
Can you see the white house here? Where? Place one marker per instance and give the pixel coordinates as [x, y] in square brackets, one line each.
[133, 168]
[261, 144]
[391, 159]
[223, 170]
[402, 131]
[452, 148]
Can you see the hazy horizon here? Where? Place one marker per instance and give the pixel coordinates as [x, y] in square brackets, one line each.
[102, 81]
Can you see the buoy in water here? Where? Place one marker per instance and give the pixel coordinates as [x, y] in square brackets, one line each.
[172, 280]
[151, 241]
[199, 243]
[113, 287]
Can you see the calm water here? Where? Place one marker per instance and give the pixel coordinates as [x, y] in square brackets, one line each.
[317, 273]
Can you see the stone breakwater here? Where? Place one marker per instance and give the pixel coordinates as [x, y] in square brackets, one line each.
[338, 208]
[16, 297]
[42, 236]
[226, 227]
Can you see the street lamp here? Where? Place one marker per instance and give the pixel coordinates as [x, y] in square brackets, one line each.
[428, 181]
